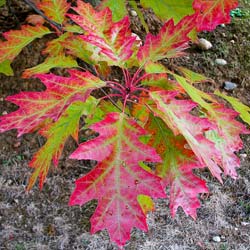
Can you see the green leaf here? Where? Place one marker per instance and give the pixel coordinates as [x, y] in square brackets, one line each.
[197, 95]
[191, 76]
[54, 9]
[154, 67]
[5, 68]
[118, 8]
[2, 2]
[60, 61]
[57, 134]
[238, 106]
[167, 9]
[18, 39]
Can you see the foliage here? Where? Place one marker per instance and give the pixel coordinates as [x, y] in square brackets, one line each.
[152, 127]
[2, 3]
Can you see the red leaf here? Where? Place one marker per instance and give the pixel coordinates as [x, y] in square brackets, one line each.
[170, 42]
[38, 108]
[213, 12]
[176, 168]
[227, 137]
[114, 41]
[117, 180]
[176, 114]
[184, 188]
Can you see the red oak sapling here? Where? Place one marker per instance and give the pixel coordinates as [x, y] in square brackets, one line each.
[152, 116]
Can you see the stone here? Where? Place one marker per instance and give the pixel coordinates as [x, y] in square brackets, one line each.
[229, 85]
[204, 44]
[220, 61]
[133, 13]
[216, 239]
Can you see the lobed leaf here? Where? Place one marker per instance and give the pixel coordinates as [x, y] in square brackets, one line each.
[54, 9]
[57, 134]
[176, 114]
[227, 137]
[176, 168]
[227, 130]
[117, 180]
[18, 39]
[57, 61]
[38, 108]
[169, 43]
[213, 12]
[114, 42]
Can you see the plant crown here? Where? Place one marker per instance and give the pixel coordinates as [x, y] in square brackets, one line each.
[152, 126]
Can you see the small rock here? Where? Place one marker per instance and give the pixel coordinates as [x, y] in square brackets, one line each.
[4, 113]
[9, 182]
[243, 223]
[220, 61]
[133, 13]
[223, 25]
[204, 44]
[216, 239]
[232, 41]
[243, 156]
[229, 85]
[17, 144]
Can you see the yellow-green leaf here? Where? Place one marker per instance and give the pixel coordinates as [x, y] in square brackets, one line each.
[57, 134]
[243, 109]
[2, 2]
[60, 61]
[5, 68]
[18, 39]
[167, 9]
[118, 8]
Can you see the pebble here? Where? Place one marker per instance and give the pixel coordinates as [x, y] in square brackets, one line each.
[204, 44]
[223, 25]
[216, 239]
[17, 144]
[133, 13]
[229, 85]
[243, 156]
[4, 113]
[220, 61]
[243, 223]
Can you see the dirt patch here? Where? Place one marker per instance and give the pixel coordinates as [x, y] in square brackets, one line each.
[43, 220]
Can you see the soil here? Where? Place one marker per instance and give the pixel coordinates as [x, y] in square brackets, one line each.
[43, 220]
